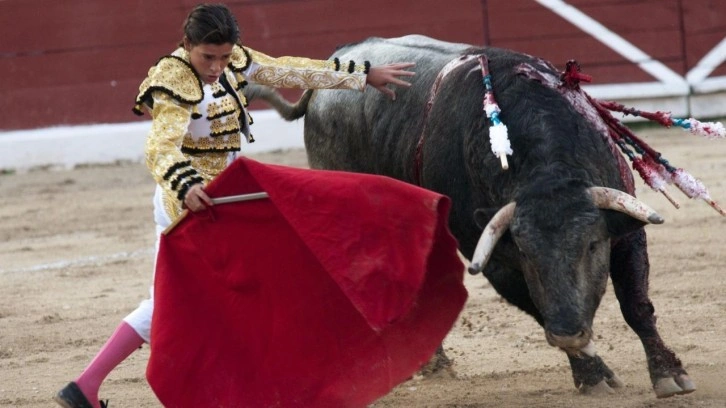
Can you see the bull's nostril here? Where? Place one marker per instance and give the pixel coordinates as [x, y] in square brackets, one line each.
[574, 341]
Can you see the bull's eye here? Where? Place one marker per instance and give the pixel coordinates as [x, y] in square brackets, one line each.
[593, 246]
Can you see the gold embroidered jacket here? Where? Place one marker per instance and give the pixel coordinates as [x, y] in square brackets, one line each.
[196, 128]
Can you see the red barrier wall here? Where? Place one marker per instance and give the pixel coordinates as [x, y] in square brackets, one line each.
[81, 61]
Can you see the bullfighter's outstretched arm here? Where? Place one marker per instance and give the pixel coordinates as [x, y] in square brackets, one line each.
[304, 73]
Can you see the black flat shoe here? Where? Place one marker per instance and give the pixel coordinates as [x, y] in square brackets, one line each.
[72, 397]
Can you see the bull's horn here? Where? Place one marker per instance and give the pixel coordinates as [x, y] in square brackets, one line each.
[612, 199]
[492, 232]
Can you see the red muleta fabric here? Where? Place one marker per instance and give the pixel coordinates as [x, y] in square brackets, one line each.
[329, 293]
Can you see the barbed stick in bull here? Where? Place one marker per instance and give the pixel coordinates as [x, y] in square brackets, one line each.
[656, 167]
[652, 167]
[501, 147]
[709, 130]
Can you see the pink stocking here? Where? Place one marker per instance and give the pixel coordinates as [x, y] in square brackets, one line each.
[118, 347]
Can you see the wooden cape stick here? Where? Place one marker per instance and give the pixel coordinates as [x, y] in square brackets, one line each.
[219, 200]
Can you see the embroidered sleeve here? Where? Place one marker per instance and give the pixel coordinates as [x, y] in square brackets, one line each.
[304, 73]
[168, 166]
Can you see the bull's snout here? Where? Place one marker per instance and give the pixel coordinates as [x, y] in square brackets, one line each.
[570, 343]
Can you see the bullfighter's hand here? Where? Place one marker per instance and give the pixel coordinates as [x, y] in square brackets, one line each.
[382, 75]
[196, 199]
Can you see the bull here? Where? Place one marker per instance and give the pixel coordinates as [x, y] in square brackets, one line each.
[551, 229]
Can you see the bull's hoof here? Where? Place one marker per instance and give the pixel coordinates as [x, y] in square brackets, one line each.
[592, 376]
[670, 386]
[615, 381]
[600, 389]
[604, 387]
[439, 366]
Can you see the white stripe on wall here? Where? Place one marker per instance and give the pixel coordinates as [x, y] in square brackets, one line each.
[708, 64]
[675, 83]
[69, 146]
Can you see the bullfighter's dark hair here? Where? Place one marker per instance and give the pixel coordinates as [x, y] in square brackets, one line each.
[211, 24]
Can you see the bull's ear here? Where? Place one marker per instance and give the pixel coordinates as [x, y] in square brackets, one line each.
[620, 224]
[482, 216]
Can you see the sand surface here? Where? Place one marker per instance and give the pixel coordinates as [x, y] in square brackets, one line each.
[76, 256]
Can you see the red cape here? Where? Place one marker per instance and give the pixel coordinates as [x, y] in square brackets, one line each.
[329, 293]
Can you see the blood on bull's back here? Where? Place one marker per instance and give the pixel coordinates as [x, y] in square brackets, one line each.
[366, 131]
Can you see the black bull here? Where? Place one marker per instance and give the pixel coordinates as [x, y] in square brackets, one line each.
[558, 236]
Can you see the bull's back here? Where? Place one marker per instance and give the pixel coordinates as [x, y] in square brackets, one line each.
[366, 131]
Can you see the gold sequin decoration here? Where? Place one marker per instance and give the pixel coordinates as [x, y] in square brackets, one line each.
[208, 166]
[283, 78]
[170, 124]
[172, 206]
[221, 107]
[174, 76]
[238, 79]
[218, 89]
[226, 143]
[299, 62]
[304, 73]
[224, 125]
[239, 60]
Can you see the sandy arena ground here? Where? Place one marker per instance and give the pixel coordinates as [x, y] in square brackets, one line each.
[76, 256]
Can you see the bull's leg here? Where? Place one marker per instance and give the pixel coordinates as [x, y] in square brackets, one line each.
[592, 375]
[629, 272]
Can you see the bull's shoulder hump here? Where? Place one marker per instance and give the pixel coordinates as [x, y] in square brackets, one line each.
[407, 48]
[417, 40]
